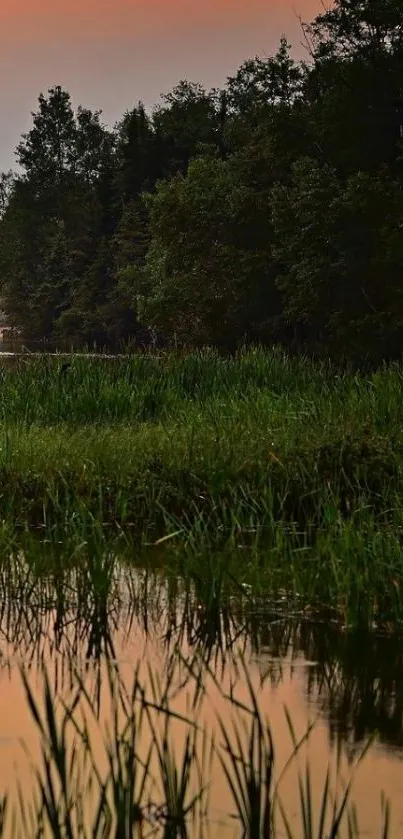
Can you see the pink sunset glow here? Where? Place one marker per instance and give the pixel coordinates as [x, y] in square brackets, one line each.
[110, 55]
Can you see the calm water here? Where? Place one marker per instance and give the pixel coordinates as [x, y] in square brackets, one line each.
[351, 686]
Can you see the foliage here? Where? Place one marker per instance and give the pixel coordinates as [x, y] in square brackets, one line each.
[214, 281]
[225, 216]
[264, 83]
[340, 249]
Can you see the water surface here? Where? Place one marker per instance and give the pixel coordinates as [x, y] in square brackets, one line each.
[350, 685]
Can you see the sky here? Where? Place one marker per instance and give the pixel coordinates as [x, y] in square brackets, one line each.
[110, 54]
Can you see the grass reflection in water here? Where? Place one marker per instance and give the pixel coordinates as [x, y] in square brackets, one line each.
[134, 757]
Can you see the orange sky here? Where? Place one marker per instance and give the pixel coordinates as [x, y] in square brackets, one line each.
[111, 54]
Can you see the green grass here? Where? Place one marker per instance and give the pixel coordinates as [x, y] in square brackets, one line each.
[275, 471]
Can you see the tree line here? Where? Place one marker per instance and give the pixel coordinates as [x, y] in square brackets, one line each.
[268, 211]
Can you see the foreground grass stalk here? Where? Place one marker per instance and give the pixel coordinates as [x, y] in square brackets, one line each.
[148, 786]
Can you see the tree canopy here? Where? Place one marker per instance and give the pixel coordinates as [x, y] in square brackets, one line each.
[270, 210]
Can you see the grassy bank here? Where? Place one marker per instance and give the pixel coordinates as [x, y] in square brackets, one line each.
[288, 474]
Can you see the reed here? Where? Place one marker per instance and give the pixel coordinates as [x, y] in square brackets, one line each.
[281, 472]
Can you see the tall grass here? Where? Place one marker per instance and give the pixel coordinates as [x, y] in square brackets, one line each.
[289, 472]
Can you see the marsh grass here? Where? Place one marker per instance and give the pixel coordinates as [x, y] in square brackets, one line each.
[280, 471]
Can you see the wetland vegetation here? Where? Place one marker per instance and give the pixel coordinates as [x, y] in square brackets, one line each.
[221, 502]
[255, 470]
[217, 507]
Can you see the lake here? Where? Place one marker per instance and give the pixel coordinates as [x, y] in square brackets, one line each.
[350, 685]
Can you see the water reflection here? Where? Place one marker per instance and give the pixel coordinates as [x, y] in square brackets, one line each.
[73, 617]
[355, 681]
[358, 681]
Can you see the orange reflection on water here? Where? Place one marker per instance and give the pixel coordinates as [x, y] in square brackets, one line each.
[380, 770]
